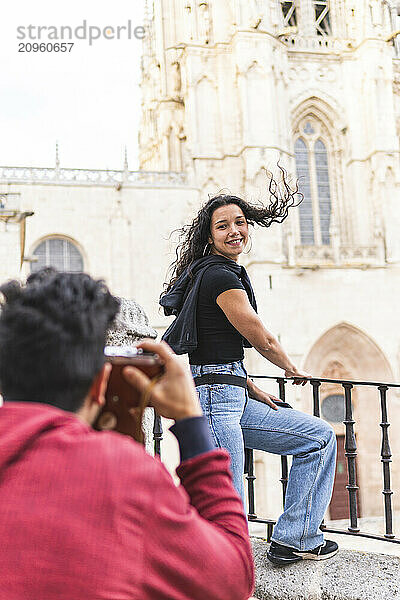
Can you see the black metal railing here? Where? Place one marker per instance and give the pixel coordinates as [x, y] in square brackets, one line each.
[157, 434]
[350, 454]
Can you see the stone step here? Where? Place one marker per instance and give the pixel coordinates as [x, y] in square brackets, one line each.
[350, 575]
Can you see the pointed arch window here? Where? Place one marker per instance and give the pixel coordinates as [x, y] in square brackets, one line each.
[324, 194]
[312, 168]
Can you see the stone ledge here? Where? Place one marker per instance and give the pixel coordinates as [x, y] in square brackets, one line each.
[350, 575]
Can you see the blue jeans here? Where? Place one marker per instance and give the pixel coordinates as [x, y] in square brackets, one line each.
[237, 421]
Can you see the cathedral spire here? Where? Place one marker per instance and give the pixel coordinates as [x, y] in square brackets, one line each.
[146, 10]
[57, 157]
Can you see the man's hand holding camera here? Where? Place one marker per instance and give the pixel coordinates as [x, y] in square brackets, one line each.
[174, 395]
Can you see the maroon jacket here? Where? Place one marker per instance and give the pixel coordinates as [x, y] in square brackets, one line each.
[87, 515]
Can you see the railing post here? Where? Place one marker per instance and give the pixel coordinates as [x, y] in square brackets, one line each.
[315, 385]
[249, 470]
[316, 411]
[282, 391]
[157, 434]
[284, 461]
[270, 529]
[351, 454]
[386, 460]
[284, 478]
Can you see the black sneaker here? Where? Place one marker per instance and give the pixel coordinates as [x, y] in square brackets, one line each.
[284, 555]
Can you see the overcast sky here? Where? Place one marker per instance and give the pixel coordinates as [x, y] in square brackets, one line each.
[87, 99]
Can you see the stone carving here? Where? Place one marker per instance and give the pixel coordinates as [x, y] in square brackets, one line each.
[326, 74]
[299, 74]
[335, 370]
[323, 254]
[131, 325]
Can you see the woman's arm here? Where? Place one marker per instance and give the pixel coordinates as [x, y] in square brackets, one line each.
[239, 312]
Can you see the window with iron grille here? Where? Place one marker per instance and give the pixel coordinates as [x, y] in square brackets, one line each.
[311, 17]
[289, 13]
[313, 173]
[59, 253]
[322, 17]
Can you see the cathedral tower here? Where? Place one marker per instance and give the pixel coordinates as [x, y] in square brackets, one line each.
[232, 86]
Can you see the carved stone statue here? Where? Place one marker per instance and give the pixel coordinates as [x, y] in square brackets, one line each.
[204, 23]
[376, 12]
[188, 21]
[176, 78]
[256, 12]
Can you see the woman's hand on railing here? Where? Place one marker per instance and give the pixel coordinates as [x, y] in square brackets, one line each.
[301, 376]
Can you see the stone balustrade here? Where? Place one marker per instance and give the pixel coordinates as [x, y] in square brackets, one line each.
[103, 177]
[315, 43]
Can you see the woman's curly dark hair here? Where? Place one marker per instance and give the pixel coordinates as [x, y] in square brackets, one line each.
[194, 237]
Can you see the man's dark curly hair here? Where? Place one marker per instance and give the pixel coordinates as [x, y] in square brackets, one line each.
[52, 335]
[193, 242]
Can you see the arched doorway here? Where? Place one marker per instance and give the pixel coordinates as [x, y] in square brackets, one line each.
[339, 505]
[333, 410]
[346, 352]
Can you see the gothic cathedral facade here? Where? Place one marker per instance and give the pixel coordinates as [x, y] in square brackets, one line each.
[231, 88]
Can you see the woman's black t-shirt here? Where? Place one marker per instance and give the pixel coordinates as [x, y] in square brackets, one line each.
[218, 340]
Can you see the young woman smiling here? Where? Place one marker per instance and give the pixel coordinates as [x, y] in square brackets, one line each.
[216, 317]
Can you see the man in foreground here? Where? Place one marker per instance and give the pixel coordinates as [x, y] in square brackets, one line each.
[87, 514]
